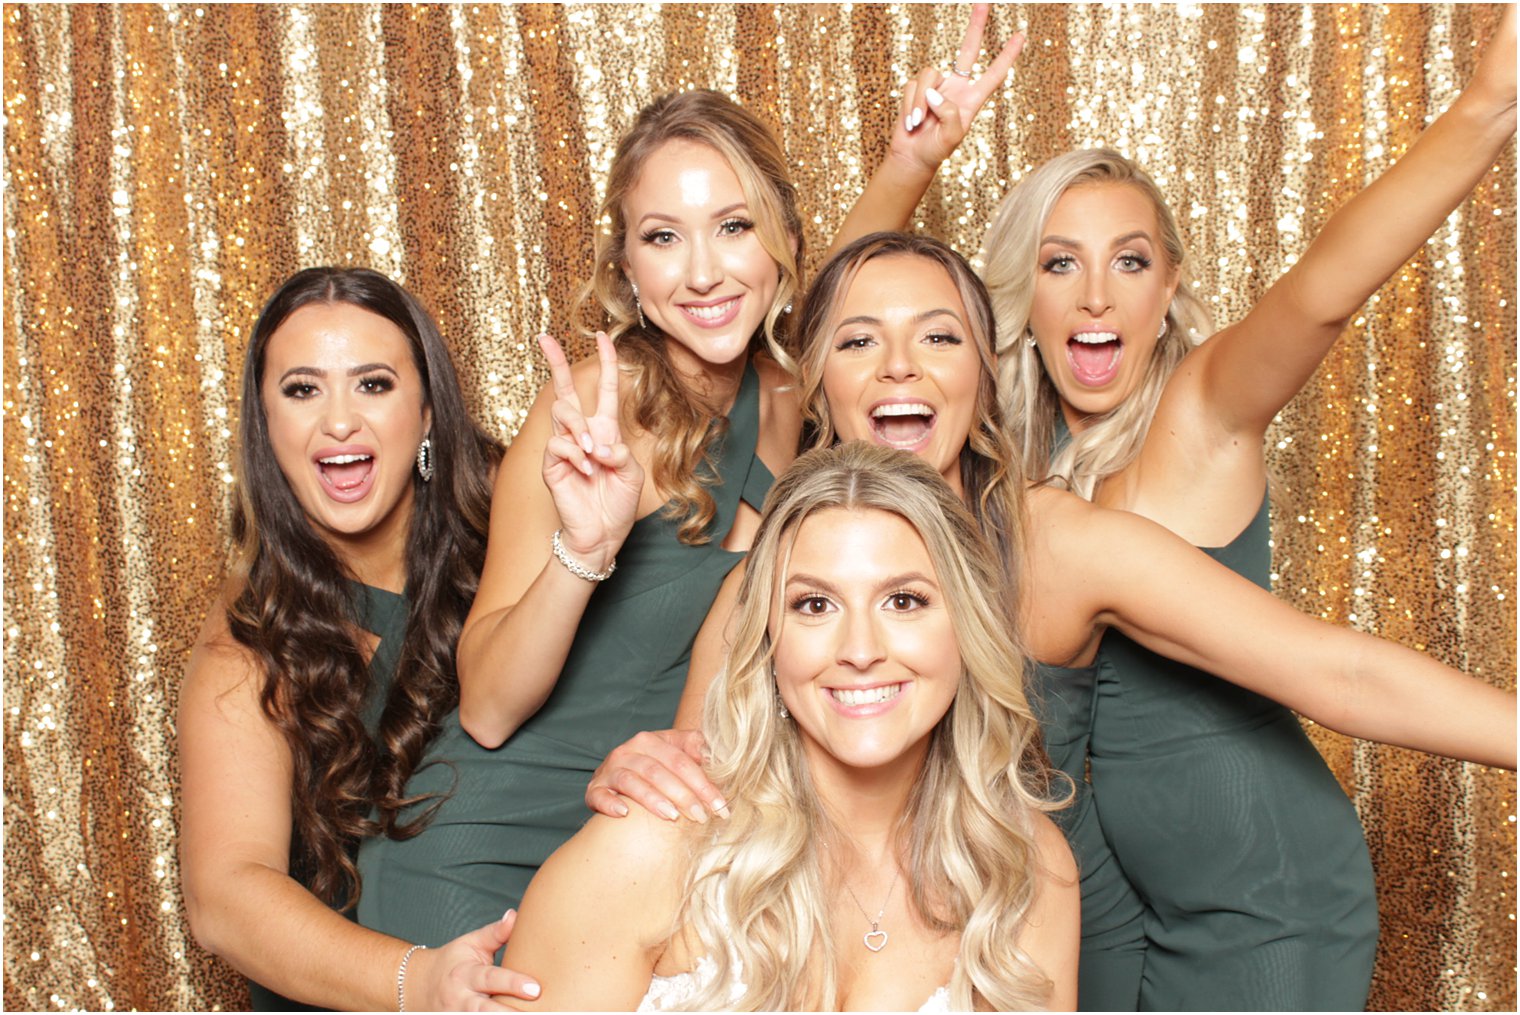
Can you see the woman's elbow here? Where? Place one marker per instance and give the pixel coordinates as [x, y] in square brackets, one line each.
[481, 728]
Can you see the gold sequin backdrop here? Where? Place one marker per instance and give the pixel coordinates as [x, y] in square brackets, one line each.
[166, 166]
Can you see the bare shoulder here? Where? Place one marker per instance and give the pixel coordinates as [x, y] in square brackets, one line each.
[219, 664]
[641, 846]
[1057, 865]
[780, 413]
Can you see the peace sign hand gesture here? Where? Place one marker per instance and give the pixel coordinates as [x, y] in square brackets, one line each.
[591, 474]
[938, 106]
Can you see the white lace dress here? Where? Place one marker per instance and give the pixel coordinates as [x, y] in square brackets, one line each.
[667, 992]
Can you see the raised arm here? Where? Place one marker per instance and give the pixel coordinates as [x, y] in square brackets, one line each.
[1251, 370]
[936, 111]
[565, 473]
[1172, 598]
[235, 849]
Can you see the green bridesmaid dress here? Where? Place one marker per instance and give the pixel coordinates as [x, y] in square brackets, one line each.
[1249, 857]
[505, 810]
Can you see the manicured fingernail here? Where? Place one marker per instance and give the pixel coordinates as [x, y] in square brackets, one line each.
[697, 814]
[916, 118]
[506, 914]
[934, 97]
[621, 810]
[586, 443]
[721, 809]
[604, 451]
[668, 811]
[585, 467]
[532, 989]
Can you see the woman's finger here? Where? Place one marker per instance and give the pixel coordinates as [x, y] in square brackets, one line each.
[971, 42]
[607, 383]
[945, 111]
[997, 71]
[564, 449]
[559, 370]
[568, 421]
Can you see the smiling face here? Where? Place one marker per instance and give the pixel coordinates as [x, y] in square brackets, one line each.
[902, 368]
[704, 279]
[865, 651]
[1102, 291]
[345, 407]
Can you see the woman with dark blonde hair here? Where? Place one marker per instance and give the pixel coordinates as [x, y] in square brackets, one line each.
[871, 736]
[630, 491]
[320, 679]
[897, 348]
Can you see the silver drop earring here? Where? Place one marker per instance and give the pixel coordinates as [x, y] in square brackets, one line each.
[637, 305]
[1162, 332]
[425, 459]
[781, 708]
[1029, 338]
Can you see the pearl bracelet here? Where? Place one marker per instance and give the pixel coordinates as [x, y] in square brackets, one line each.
[401, 977]
[575, 567]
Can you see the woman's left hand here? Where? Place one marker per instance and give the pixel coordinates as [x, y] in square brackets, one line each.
[939, 104]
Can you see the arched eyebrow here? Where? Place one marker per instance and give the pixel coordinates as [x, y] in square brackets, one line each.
[919, 318]
[721, 213]
[1119, 241]
[895, 581]
[363, 368]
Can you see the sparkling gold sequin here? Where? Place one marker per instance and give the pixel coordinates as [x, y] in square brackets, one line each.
[166, 166]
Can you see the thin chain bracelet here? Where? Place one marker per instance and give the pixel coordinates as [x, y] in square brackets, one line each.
[401, 977]
[575, 567]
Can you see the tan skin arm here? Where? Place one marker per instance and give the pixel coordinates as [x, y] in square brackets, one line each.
[1135, 576]
[936, 111]
[234, 850]
[1052, 934]
[524, 619]
[1211, 420]
[597, 915]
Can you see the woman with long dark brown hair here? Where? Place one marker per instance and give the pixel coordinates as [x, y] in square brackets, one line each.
[320, 679]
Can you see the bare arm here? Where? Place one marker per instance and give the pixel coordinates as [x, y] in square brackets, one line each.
[598, 914]
[1251, 370]
[937, 109]
[1052, 935]
[235, 846]
[1175, 600]
[565, 471]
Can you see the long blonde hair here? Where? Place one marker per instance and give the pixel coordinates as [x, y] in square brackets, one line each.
[1010, 256]
[758, 891]
[660, 404]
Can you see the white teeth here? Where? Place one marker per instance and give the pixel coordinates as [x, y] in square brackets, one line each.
[711, 313]
[1095, 337]
[902, 409]
[869, 696]
[344, 459]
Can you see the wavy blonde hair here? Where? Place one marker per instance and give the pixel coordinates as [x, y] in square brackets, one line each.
[758, 892]
[660, 404]
[989, 473]
[1010, 255]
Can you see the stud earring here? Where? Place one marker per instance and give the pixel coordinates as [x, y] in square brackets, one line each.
[1161, 333]
[788, 308]
[1029, 338]
[637, 305]
[425, 459]
[781, 708]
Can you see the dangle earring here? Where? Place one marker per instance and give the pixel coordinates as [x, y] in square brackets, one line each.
[781, 708]
[1029, 338]
[1162, 332]
[637, 305]
[425, 459]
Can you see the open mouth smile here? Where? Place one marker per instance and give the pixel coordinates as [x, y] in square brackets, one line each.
[346, 477]
[1094, 357]
[906, 425]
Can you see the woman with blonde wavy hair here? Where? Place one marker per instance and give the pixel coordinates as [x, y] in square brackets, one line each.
[886, 848]
[897, 348]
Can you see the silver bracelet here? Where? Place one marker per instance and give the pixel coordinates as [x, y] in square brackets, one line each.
[401, 977]
[575, 567]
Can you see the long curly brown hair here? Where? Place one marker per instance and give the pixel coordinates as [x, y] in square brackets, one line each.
[659, 402]
[296, 607]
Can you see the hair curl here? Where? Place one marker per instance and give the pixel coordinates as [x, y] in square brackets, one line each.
[296, 611]
[1010, 254]
[758, 891]
[660, 404]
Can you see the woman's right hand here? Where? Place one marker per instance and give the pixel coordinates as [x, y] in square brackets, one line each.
[591, 474]
[463, 975]
[662, 771]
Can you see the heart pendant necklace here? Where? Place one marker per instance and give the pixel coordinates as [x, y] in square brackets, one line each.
[875, 938]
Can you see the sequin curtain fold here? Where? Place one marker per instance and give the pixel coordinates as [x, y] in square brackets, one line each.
[165, 167]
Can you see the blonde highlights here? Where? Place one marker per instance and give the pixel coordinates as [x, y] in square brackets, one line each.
[660, 403]
[1010, 255]
[758, 899]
